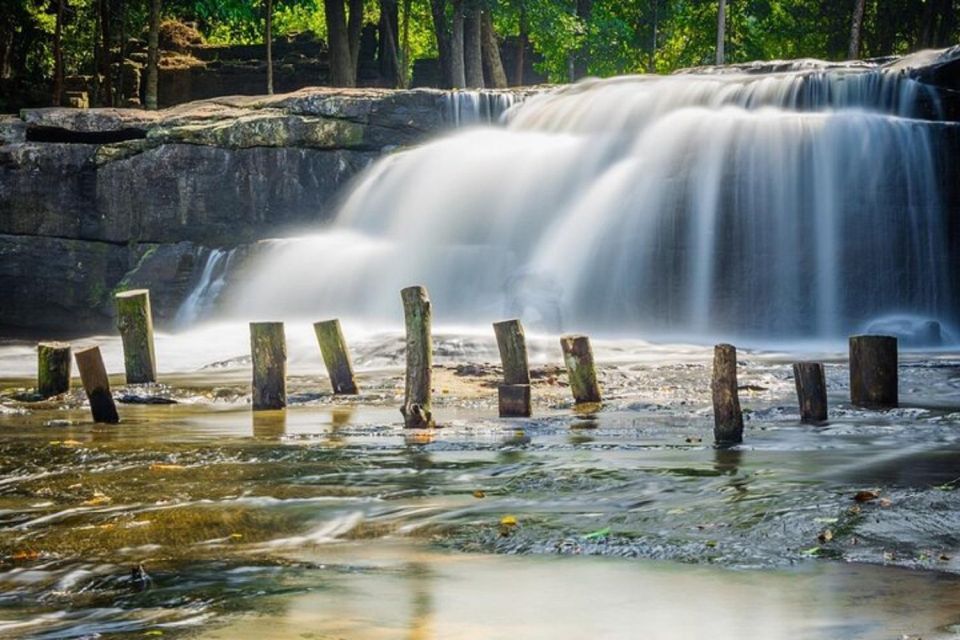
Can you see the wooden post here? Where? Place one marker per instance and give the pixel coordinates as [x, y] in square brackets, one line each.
[53, 368]
[97, 385]
[336, 357]
[416, 316]
[268, 348]
[727, 417]
[873, 371]
[135, 323]
[811, 391]
[514, 393]
[578, 356]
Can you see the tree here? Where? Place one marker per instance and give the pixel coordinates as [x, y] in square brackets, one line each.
[581, 59]
[58, 56]
[722, 31]
[343, 40]
[856, 28]
[493, 71]
[153, 55]
[473, 47]
[268, 41]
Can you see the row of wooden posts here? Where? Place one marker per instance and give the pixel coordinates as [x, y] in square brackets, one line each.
[873, 368]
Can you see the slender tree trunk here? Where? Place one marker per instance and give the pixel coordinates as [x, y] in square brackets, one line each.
[581, 58]
[58, 57]
[652, 65]
[495, 75]
[388, 53]
[523, 40]
[925, 37]
[354, 28]
[342, 71]
[948, 24]
[405, 47]
[153, 55]
[438, 9]
[268, 41]
[106, 57]
[856, 27]
[458, 73]
[473, 48]
[721, 31]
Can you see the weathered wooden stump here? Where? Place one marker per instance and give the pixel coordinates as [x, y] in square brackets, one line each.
[97, 385]
[268, 348]
[514, 393]
[53, 368]
[417, 316]
[514, 400]
[135, 322]
[336, 357]
[873, 371]
[727, 417]
[578, 356]
[811, 391]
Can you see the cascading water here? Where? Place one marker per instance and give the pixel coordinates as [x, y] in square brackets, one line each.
[788, 205]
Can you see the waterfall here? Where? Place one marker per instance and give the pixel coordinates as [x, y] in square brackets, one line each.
[801, 204]
[207, 289]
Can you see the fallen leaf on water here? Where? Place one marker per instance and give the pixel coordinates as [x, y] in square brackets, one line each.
[26, 555]
[166, 467]
[98, 499]
[71, 443]
[812, 551]
[479, 494]
[508, 521]
[866, 496]
[153, 632]
[236, 536]
[825, 536]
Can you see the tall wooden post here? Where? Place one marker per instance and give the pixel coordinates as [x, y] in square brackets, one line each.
[873, 371]
[135, 322]
[811, 391]
[727, 417]
[97, 385]
[417, 317]
[336, 357]
[578, 356]
[53, 368]
[268, 348]
[514, 393]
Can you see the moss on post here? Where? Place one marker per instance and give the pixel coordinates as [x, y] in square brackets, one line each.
[727, 417]
[417, 317]
[268, 349]
[513, 351]
[873, 372]
[578, 356]
[53, 368]
[811, 382]
[336, 357]
[97, 385]
[135, 323]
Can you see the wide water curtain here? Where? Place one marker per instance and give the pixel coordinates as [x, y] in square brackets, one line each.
[801, 204]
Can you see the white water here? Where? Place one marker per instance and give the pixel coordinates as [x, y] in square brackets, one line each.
[794, 205]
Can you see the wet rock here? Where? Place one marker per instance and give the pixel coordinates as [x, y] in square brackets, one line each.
[130, 398]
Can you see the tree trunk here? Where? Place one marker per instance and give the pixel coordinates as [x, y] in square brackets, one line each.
[342, 71]
[268, 352]
[388, 53]
[96, 384]
[268, 41]
[811, 386]
[53, 368]
[856, 27]
[494, 73]
[652, 65]
[473, 48]
[336, 357]
[153, 55]
[58, 57]
[417, 316]
[135, 324]
[581, 59]
[438, 8]
[873, 371]
[727, 416]
[405, 47]
[458, 74]
[947, 26]
[106, 58]
[721, 31]
[581, 372]
[523, 41]
[354, 29]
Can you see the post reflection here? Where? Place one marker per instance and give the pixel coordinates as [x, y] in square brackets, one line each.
[269, 425]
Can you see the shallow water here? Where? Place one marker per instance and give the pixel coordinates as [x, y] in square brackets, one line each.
[329, 519]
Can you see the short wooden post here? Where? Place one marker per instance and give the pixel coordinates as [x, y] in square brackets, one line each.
[578, 356]
[53, 368]
[336, 357]
[268, 348]
[873, 371]
[417, 316]
[97, 385]
[135, 323]
[727, 417]
[514, 393]
[811, 391]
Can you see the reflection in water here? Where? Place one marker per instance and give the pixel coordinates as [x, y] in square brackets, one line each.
[269, 425]
[422, 606]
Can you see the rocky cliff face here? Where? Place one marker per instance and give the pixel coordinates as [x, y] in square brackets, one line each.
[93, 200]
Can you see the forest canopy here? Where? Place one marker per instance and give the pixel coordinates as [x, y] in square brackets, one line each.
[41, 41]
